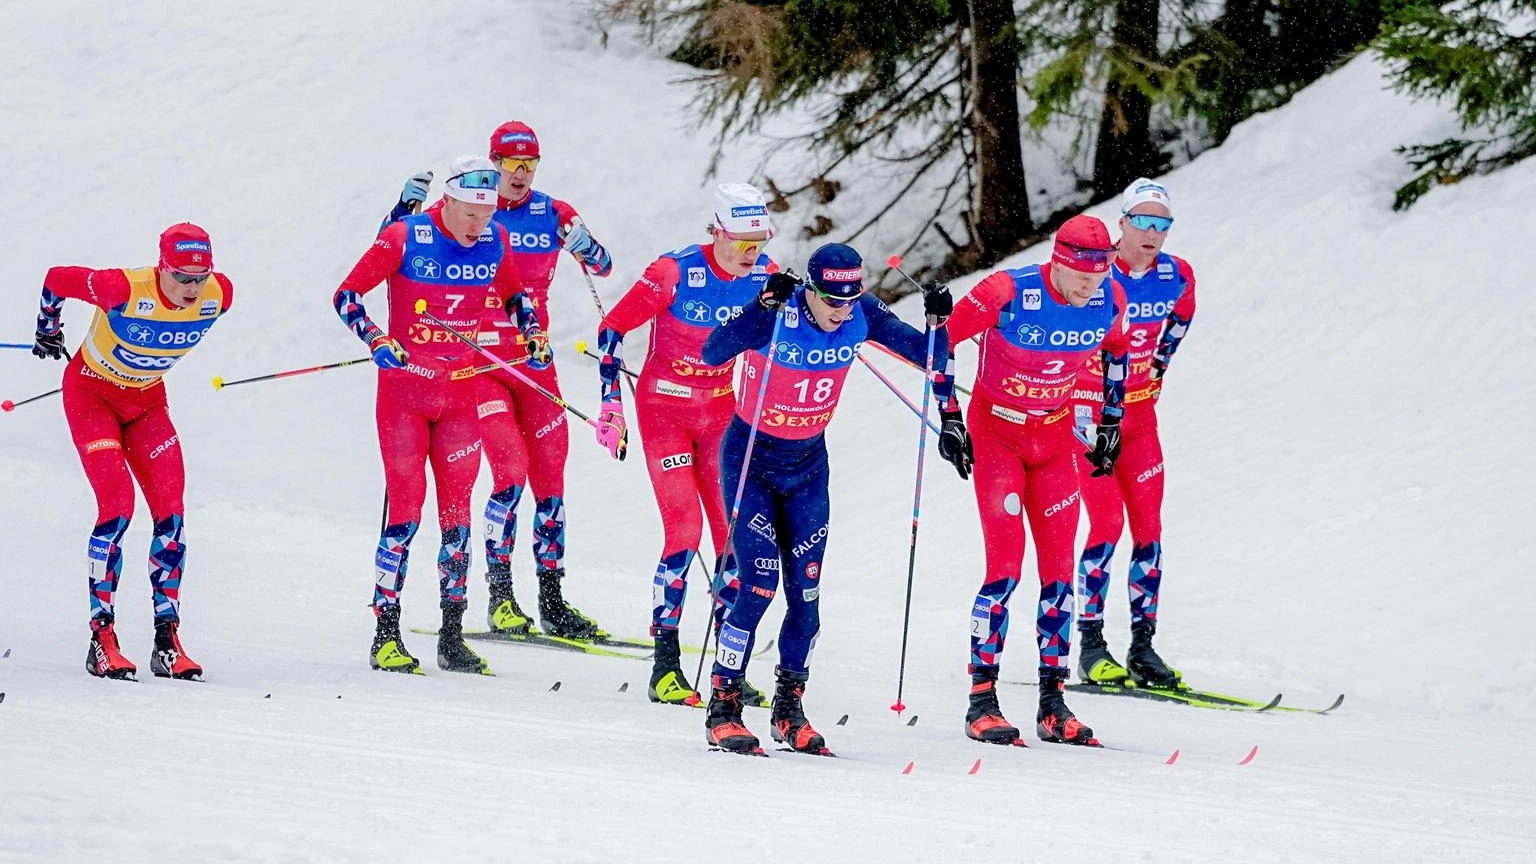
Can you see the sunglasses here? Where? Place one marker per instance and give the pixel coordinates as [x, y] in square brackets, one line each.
[476, 179]
[832, 300]
[744, 247]
[1148, 222]
[1095, 256]
[510, 164]
[190, 278]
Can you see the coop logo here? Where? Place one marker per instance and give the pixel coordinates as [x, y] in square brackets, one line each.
[164, 446]
[1077, 338]
[530, 240]
[208, 309]
[464, 452]
[1031, 334]
[1098, 298]
[677, 460]
[143, 361]
[1145, 311]
[1061, 506]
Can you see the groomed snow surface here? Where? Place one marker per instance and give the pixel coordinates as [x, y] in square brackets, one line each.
[1348, 508]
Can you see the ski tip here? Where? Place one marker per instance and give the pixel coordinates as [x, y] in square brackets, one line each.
[1336, 703]
[1172, 757]
[555, 687]
[908, 769]
[843, 721]
[1251, 754]
[268, 696]
[2, 696]
[1272, 703]
[913, 721]
[624, 688]
[975, 767]
[8, 653]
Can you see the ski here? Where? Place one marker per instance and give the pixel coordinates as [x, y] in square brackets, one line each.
[540, 640]
[1300, 710]
[649, 645]
[1193, 698]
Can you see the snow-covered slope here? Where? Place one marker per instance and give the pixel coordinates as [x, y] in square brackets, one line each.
[1348, 501]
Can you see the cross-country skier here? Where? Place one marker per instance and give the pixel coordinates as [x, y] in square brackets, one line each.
[782, 526]
[1160, 289]
[683, 404]
[457, 260]
[524, 433]
[1039, 325]
[147, 318]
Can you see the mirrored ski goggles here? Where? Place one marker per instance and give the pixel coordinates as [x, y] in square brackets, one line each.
[184, 278]
[836, 301]
[475, 180]
[1092, 256]
[510, 164]
[741, 245]
[1148, 222]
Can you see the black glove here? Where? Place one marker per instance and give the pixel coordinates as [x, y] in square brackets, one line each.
[1159, 366]
[1106, 446]
[938, 305]
[777, 290]
[955, 443]
[49, 346]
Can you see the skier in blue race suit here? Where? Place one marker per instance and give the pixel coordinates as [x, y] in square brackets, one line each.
[781, 526]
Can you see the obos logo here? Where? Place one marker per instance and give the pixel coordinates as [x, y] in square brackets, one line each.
[530, 240]
[425, 267]
[141, 361]
[1077, 338]
[1143, 311]
[699, 312]
[141, 334]
[1031, 334]
[788, 352]
[470, 272]
[839, 356]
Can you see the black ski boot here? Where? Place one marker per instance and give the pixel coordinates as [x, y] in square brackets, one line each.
[1095, 665]
[723, 727]
[169, 661]
[667, 681]
[559, 618]
[788, 716]
[984, 720]
[452, 654]
[504, 615]
[1055, 722]
[1144, 664]
[388, 652]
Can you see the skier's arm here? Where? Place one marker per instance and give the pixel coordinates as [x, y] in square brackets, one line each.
[646, 299]
[1116, 351]
[980, 307]
[1177, 325]
[382, 259]
[912, 343]
[576, 239]
[753, 328]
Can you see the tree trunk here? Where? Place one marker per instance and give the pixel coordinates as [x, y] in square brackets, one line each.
[1001, 207]
[1125, 149]
[1243, 23]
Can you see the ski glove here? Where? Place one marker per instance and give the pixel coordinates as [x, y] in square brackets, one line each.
[415, 191]
[955, 443]
[1106, 445]
[388, 352]
[612, 432]
[777, 290]
[539, 353]
[49, 346]
[938, 303]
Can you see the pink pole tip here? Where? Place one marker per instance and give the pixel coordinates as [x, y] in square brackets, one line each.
[975, 768]
[1251, 753]
[898, 707]
[1172, 758]
[893, 262]
[7, 406]
[908, 769]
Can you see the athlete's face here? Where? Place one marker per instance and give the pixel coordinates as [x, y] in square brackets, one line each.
[827, 317]
[180, 292]
[466, 221]
[737, 253]
[1076, 286]
[516, 177]
[1139, 246]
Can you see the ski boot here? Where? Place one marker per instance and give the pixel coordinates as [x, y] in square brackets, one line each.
[1055, 722]
[169, 661]
[1143, 663]
[788, 717]
[723, 727]
[102, 658]
[559, 618]
[388, 652]
[667, 682]
[504, 615]
[452, 654]
[1095, 665]
[984, 721]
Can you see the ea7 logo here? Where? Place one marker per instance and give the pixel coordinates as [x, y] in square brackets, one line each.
[677, 460]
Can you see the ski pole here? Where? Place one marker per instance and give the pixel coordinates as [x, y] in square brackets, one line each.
[963, 391]
[8, 406]
[917, 499]
[421, 309]
[601, 314]
[894, 262]
[899, 395]
[581, 345]
[15, 345]
[741, 484]
[220, 383]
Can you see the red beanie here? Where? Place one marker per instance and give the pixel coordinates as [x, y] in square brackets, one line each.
[514, 138]
[185, 245]
[1082, 244]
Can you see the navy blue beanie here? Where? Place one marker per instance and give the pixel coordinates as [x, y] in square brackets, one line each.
[837, 270]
